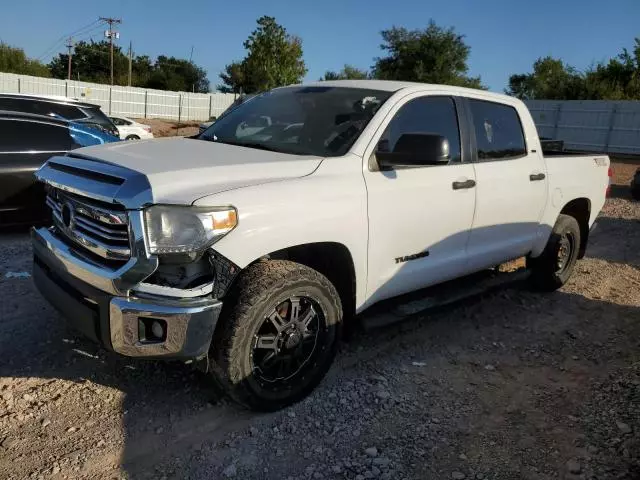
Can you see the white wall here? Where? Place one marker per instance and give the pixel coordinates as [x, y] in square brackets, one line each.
[590, 125]
[127, 101]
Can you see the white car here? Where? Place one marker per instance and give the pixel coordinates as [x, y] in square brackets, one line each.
[248, 246]
[131, 130]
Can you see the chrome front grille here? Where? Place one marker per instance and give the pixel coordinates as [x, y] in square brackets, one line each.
[99, 229]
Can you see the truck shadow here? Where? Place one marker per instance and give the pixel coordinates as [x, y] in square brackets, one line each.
[616, 240]
[171, 410]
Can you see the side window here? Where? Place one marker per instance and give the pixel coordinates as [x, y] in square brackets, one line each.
[117, 121]
[24, 135]
[41, 107]
[498, 131]
[20, 105]
[68, 112]
[435, 115]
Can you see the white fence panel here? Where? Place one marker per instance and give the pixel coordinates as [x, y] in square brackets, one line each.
[127, 101]
[589, 125]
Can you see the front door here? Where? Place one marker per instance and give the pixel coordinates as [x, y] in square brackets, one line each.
[419, 221]
[511, 186]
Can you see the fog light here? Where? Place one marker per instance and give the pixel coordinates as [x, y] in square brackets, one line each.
[157, 329]
[152, 330]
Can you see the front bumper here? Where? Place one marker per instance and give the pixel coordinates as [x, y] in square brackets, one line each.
[87, 295]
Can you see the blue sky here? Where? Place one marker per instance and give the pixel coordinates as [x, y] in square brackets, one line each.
[505, 36]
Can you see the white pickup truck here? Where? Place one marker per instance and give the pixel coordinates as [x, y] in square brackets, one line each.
[247, 246]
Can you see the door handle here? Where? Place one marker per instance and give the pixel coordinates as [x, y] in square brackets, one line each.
[464, 184]
[534, 177]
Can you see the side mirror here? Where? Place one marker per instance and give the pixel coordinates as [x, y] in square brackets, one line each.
[415, 150]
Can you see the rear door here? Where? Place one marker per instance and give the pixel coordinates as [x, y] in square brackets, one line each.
[419, 218]
[24, 146]
[511, 186]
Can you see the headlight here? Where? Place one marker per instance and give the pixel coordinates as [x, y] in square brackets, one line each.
[172, 229]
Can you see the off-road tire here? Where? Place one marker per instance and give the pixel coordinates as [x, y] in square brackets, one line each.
[545, 274]
[260, 288]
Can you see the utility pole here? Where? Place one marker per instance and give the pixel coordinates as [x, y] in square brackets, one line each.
[130, 55]
[110, 34]
[193, 86]
[69, 55]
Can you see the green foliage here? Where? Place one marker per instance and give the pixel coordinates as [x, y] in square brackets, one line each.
[170, 73]
[348, 72]
[233, 79]
[274, 59]
[14, 60]
[552, 79]
[91, 63]
[432, 55]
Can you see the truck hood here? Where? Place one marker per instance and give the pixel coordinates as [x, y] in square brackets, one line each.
[181, 170]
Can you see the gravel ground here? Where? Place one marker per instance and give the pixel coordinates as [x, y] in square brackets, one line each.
[170, 128]
[509, 385]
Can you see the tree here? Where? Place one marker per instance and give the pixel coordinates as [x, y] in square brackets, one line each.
[141, 70]
[170, 73]
[619, 79]
[233, 79]
[91, 62]
[551, 79]
[14, 60]
[274, 59]
[348, 72]
[432, 55]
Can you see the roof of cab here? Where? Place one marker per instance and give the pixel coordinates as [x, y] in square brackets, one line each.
[394, 86]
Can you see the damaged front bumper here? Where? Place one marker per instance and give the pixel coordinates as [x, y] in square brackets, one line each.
[102, 303]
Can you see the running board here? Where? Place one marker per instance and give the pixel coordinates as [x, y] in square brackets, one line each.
[406, 306]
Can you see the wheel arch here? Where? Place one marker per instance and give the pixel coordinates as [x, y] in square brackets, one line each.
[580, 209]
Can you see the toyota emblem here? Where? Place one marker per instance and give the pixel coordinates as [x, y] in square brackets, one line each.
[67, 215]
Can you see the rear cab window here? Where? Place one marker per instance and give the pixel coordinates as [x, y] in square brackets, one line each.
[498, 131]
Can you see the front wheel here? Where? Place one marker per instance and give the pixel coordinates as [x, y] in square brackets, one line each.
[554, 266]
[132, 137]
[278, 335]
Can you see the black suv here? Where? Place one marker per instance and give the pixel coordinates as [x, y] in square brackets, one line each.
[61, 107]
[26, 142]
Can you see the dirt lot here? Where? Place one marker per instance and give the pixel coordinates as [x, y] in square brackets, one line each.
[169, 128]
[512, 385]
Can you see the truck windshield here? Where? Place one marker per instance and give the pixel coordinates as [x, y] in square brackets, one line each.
[321, 121]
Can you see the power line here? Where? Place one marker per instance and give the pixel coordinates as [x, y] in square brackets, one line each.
[59, 41]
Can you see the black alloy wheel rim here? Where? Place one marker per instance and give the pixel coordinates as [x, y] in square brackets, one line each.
[286, 344]
[566, 247]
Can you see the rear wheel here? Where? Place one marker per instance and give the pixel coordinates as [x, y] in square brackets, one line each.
[132, 137]
[278, 335]
[554, 266]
